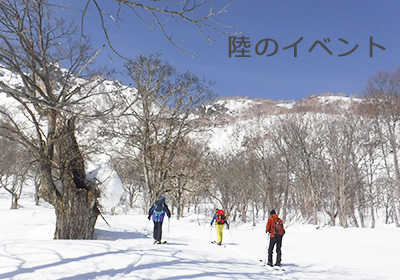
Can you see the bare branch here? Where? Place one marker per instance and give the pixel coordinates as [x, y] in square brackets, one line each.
[201, 14]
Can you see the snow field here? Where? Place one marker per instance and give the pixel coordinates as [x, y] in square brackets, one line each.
[27, 250]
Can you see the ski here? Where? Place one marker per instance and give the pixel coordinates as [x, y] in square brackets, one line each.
[216, 243]
[277, 268]
[164, 242]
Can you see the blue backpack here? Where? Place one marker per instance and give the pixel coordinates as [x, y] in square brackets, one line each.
[158, 211]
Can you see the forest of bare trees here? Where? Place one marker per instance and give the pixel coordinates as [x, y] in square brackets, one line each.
[323, 168]
[338, 168]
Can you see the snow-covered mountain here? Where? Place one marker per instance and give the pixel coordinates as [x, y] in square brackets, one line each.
[226, 115]
[234, 118]
[239, 107]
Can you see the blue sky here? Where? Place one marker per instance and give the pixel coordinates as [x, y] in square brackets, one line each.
[347, 24]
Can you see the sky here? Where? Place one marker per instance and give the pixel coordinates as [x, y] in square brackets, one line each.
[333, 54]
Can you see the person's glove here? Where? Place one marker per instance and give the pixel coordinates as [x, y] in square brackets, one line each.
[148, 218]
[211, 225]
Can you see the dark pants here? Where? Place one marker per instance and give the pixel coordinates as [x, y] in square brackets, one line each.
[157, 232]
[272, 242]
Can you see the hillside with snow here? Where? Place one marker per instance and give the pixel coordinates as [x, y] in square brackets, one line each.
[235, 118]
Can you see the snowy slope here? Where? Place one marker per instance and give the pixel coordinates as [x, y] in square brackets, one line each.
[27, 250]
[233, 119]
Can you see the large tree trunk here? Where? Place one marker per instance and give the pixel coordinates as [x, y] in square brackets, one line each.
[76, 213]
[76, 205]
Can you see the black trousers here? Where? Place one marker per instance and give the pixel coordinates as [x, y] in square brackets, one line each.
[157, 232]
[272, 242]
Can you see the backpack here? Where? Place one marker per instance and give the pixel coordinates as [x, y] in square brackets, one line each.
[279, 230]
[158, 211]
[220, 217]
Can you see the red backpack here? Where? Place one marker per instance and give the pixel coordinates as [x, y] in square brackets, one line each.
[220, 217]
[279, 230]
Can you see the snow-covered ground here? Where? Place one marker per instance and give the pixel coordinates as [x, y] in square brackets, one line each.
[27, 250]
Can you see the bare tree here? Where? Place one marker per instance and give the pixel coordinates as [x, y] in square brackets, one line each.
[14, 166]
[383, 99]
[265, 173]
[187, 174]
[154, 119]
[40, 50]
[225, 185]
[368, 165]
[284, 159]
[129, 172]
[301, 137]
[340, 142]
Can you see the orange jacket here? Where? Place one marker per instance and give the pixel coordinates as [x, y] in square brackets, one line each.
[271, 225]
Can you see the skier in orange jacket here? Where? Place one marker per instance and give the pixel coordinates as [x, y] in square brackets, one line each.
[275, 229]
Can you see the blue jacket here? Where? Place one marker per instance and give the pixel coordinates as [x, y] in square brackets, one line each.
[159, 217]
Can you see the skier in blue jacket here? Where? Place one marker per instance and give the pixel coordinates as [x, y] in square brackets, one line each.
[158, 211]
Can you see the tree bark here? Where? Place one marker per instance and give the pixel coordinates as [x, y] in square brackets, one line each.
[76, 206]
[342, 209]
[14, 204]
[76, 213]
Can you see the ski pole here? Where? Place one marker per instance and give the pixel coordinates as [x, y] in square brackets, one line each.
[229, 229]
[168, 228]
[266, 250]
[209, 236]
[145, 228]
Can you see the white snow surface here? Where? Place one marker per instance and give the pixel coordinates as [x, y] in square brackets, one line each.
[126, 250]
[110, 184]
[236, 104]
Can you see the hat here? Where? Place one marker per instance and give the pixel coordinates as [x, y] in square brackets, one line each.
[272, 212]
[162, 198]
